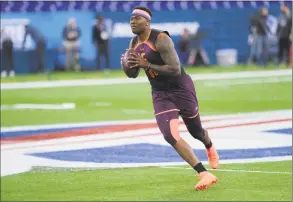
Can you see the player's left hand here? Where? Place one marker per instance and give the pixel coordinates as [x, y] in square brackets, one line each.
[138, 61]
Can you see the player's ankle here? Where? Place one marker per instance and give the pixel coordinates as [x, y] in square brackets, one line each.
[199, 168]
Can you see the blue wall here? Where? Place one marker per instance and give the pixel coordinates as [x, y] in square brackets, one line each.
[225, 28]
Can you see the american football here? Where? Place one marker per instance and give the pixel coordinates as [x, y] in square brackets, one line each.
[130, 72]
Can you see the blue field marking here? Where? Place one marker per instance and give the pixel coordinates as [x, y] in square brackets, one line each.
[12, 134]
[285, 131]
[151, 153]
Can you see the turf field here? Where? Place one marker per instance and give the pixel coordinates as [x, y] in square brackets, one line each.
[272, 181]
[151, 184]
[133, 101]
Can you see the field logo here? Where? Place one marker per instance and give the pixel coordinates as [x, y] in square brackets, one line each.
[251, 137]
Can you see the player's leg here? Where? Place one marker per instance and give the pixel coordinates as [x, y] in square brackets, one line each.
[169, 126]
[194, 127]
[186, 102]
[166, 114]
[168, 123]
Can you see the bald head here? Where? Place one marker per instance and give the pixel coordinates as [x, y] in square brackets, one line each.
[72, 22]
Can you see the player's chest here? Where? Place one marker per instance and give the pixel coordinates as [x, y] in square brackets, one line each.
[150, 55]
[148, 52]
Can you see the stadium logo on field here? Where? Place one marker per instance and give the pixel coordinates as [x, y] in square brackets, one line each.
[238, 139]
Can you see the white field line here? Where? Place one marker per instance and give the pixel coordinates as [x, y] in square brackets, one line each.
[238, 171]
[90, 82]
[62, 106]
[248, 81]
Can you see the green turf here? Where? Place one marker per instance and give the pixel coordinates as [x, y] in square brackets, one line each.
[151, 184]
[119, 73]
[215, 97]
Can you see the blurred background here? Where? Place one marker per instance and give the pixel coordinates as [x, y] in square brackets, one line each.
[42, 36]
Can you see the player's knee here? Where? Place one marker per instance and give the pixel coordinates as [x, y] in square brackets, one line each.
[198, 134]
[169, 138]
[195, 128]
[167, 133]
[169, 126]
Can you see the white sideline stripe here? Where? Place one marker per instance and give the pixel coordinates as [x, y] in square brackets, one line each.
[62, 106]
[90, 82]
[238, 171]
[248, 82]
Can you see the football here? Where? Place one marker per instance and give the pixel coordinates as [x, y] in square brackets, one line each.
[130, 72]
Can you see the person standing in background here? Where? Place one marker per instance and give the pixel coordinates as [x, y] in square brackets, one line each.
[262, 43]
[284, 29]
[71, 35]
[100, 38]
[252, 38]
[290, 51]
[39, 40]
[7, 63]
[184, 48]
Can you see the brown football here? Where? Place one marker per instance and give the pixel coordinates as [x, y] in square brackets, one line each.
[130, 72]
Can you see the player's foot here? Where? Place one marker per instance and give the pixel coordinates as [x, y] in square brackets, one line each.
[213, 157]
[206, 180]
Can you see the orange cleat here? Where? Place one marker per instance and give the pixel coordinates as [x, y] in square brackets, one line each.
[206, 180]
[213, 157]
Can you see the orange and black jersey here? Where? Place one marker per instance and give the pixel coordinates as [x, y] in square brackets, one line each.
[149, 52]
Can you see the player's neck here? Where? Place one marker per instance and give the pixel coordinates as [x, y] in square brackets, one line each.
[143, 37]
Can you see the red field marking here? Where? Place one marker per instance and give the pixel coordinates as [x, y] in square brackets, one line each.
[84, 132]
[152, 134]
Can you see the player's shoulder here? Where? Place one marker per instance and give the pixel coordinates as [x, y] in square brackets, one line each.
[163, 35]
[159, 33]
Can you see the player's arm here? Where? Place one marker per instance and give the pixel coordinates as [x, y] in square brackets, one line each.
[165, 47]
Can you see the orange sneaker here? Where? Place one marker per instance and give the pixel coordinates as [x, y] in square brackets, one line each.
[213, 157]
[206, 180]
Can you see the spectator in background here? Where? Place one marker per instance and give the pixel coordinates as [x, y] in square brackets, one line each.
[71, 35]
[252, 38]
[290, 51]
[39, 40]
[272, 24]
[284, 29]
[100, 38]
[7, 63]
[184, 48]
[261, 40]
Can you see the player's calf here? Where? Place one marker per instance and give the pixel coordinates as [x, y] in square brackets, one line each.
[194, 127]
